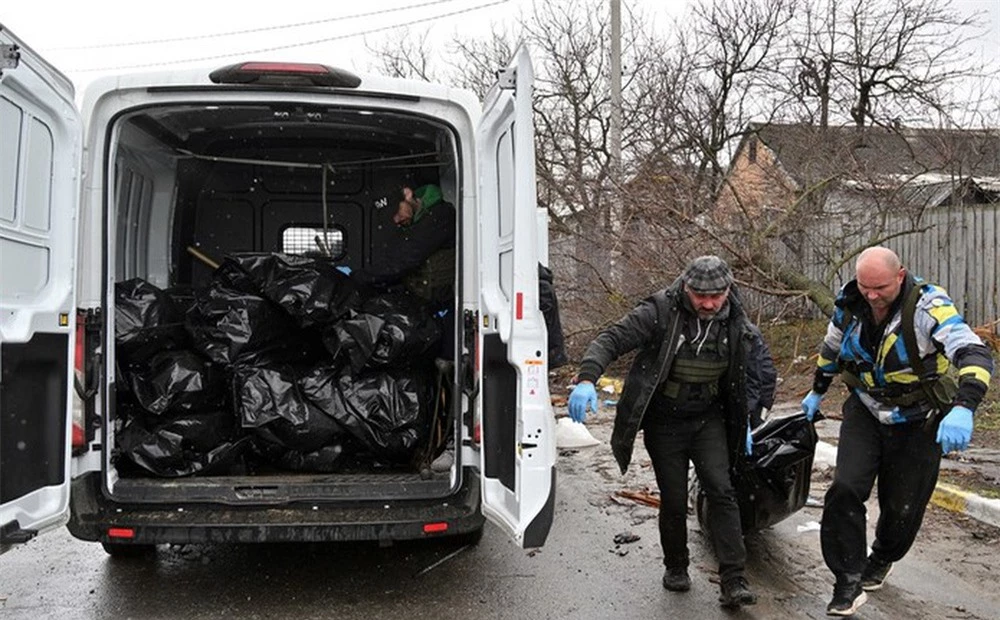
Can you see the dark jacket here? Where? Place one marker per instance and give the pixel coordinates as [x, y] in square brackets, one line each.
[653, 327]
[549, 305]
[398, 251]
[762, 378]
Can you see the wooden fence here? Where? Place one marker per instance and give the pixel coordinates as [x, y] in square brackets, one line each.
[958, 249]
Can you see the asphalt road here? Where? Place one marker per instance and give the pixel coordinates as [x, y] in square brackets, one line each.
[580, 573]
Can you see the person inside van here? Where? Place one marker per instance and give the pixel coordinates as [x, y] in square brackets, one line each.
[417, 247]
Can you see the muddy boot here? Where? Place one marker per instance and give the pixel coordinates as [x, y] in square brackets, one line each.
[736, 593]
[676, 580]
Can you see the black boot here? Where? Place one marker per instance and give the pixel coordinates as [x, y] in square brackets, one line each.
[848, 595]
[676, 580]
[736, 592]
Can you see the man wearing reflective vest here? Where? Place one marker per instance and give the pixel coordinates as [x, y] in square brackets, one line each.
[893, 339]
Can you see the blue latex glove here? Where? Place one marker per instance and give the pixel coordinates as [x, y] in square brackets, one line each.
[583, 394]
[810, 404]
[955, 430]
[749, 445]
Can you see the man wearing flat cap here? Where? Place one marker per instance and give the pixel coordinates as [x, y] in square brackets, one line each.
[686, 390]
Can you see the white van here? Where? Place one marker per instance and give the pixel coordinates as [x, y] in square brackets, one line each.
[163, 175]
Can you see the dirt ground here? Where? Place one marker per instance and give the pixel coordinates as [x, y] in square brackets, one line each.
[949, 573]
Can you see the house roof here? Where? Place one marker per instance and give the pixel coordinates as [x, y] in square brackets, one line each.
[809, 154]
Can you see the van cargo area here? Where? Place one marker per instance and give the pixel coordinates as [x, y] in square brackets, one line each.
[277, 332]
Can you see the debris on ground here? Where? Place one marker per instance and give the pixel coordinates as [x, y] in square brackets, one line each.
[451, 555]
[610, 385]
[640, 497]
[570, 434]
[625, 538]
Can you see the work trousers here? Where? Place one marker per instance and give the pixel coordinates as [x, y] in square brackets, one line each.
[672, 442]
[905, 458]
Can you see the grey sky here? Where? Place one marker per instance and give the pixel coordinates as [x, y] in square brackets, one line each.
[66, 35]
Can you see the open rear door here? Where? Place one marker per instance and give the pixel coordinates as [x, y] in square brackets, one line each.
[40, 148]
[518, 429]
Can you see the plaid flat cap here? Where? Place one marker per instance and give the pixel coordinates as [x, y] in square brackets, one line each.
[707, 275]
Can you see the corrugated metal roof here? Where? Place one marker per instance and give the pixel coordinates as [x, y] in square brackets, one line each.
[810, 154]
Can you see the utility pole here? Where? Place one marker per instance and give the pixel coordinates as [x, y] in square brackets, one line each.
[615, 133]
[614, 197]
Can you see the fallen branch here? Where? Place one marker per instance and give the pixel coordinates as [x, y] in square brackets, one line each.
[640, 497]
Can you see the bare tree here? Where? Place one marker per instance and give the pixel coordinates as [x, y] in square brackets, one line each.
[880, 63]
[728, 48]
[405, 56]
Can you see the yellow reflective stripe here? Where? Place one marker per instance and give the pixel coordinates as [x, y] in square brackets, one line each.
[901, 376]
[942, 364]
[822, 361]
[868, 378]
[943, 313]
[887, 344]
[976, 372]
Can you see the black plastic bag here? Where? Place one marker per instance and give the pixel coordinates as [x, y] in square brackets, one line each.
[327, 459]
[147, 321]
[188, 444]
[781, 442]
[229, 326]
[312, 290]
[391, 330]
[386, 415]
[774, 481]
[269, 401]
[140, 305]
[175, 381]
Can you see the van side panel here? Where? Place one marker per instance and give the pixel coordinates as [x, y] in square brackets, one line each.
[499, 410]
[40, 155]
[32, 414]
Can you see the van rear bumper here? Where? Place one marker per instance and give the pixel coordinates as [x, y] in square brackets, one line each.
[92, 515]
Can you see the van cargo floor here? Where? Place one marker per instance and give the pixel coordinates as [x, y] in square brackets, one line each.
[280, 488]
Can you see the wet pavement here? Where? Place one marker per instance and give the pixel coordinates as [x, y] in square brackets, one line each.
[581, 573]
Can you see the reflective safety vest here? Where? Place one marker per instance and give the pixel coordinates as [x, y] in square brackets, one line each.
[928, 385]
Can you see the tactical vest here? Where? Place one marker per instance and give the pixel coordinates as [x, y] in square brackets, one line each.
[692, 387]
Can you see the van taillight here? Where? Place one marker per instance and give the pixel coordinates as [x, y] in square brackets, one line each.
[284, 74]
[435, 528]
[121, 532]
[79, 439]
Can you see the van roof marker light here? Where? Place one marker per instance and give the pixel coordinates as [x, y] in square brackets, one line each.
[284, 74]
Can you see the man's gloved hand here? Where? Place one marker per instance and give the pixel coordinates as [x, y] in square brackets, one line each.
[810, 404]
[955, 430]
[583, 394]
[749, 445]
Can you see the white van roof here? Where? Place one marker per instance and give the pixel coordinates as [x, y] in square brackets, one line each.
[199, 77]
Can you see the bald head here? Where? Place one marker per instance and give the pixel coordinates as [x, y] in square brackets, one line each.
[880, 277]
[879, 256]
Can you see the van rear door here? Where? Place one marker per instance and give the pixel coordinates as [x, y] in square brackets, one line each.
[40, 154]
[518, 439]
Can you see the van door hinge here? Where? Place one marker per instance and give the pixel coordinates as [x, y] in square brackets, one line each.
[10, 56]
[507, 78]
